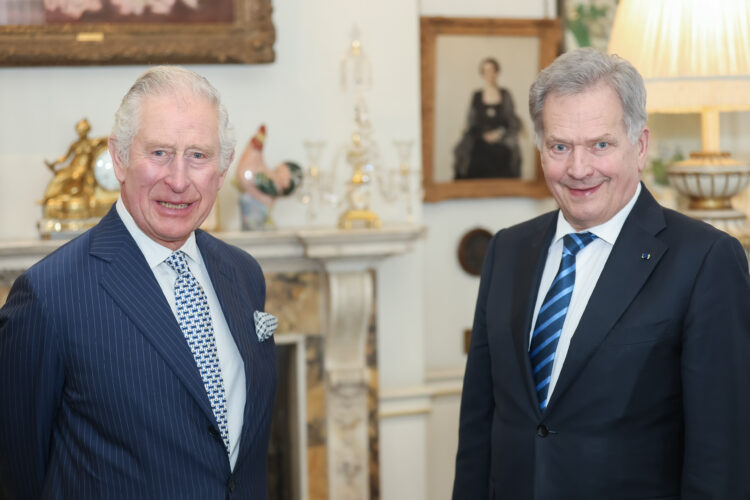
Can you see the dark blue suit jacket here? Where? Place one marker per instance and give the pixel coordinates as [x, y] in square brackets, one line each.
[101, 396]
[652, 401]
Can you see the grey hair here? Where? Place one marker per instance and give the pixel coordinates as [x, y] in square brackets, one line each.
[577, 71]
[161, 80]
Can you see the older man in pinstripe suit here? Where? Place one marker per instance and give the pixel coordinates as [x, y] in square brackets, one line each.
[130, 364]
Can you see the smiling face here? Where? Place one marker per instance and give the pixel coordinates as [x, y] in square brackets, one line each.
[589, 164]
[172, 178]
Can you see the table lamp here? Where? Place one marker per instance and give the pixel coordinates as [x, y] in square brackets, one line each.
[694, 57]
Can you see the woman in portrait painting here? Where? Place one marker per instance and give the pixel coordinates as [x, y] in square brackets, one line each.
[489, 145]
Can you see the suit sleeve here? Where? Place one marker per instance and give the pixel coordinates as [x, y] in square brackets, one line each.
[715, 375]
[477, 403]
[30, 384]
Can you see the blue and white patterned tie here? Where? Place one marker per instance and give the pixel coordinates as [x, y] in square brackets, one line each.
[194, 318]
[551, 317]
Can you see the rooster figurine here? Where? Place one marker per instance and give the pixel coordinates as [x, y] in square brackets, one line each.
[260, 186]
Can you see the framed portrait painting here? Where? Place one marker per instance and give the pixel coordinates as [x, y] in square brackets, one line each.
[477, 136]
[77, 32]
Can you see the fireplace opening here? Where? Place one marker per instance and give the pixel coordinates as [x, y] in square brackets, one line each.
[287, 472]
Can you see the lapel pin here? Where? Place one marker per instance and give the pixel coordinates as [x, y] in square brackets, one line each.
[645, 256]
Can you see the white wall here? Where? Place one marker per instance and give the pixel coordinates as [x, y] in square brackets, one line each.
[425, 300]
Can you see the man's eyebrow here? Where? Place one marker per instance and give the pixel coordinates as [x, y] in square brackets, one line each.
[603, 137]
[190, 147]
[555, 140]
[156, 144]
[201, 147]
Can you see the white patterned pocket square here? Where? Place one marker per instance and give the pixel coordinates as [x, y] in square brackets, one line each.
[265, 324]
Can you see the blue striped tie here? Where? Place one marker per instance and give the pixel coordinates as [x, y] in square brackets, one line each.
[549, 321]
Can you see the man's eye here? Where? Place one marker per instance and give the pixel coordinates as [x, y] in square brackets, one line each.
[601, 145]
[559, 148]
[197, 156]
[159, 152]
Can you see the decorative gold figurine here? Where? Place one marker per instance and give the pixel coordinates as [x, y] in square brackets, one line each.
[82, 190]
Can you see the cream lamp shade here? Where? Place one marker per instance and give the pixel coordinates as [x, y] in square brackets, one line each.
[694, 56]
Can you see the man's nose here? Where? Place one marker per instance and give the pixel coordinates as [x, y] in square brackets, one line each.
[178, 178]
[580, 165]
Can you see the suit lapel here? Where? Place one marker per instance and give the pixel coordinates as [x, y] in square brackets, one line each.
[527, 274]
[220, 272]
[238, 311]
[132, 285]
[622, 278]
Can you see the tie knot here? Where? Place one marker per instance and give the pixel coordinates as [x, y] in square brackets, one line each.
[177, 262]
[575, 242]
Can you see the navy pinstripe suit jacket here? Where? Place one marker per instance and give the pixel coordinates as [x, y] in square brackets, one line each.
[101, 396]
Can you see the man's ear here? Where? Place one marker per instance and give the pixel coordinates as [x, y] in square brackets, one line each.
[643, 148]
[223, 175]
[116, 162]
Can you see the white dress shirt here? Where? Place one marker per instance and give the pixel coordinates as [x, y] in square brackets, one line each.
[230, 361]
[589, 264]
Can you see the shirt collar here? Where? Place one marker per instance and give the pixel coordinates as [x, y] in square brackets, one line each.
[609, 231]
[154, 253]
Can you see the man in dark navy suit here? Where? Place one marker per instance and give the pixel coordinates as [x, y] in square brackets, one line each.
[610, 352]
[136, 361]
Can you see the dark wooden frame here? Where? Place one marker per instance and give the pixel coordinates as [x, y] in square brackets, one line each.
[548, 32]
[248, 39]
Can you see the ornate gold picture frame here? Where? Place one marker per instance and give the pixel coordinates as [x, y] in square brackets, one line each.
[453, 53]
[248, 38]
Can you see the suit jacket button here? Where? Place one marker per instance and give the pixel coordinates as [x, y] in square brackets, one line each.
[231, 485]
[214, 432]
[542, 431]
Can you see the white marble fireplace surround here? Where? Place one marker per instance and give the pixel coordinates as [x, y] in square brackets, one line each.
[346, 259]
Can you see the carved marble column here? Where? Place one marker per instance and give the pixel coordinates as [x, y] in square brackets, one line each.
[350, 300]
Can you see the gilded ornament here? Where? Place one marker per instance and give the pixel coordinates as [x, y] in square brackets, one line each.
[83, 187]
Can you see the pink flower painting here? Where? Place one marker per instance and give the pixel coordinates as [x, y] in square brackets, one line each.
[73, 8]
[138, 11]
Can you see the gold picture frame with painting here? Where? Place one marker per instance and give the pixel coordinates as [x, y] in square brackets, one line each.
[65, 32]
[456, 53]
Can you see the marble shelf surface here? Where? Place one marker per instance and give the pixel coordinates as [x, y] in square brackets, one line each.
[275, 249]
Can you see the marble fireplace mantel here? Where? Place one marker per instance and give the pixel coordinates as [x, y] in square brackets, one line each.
[275, 250]
[346, 259]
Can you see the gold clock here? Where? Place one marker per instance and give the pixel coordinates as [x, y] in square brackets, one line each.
[83, 187]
